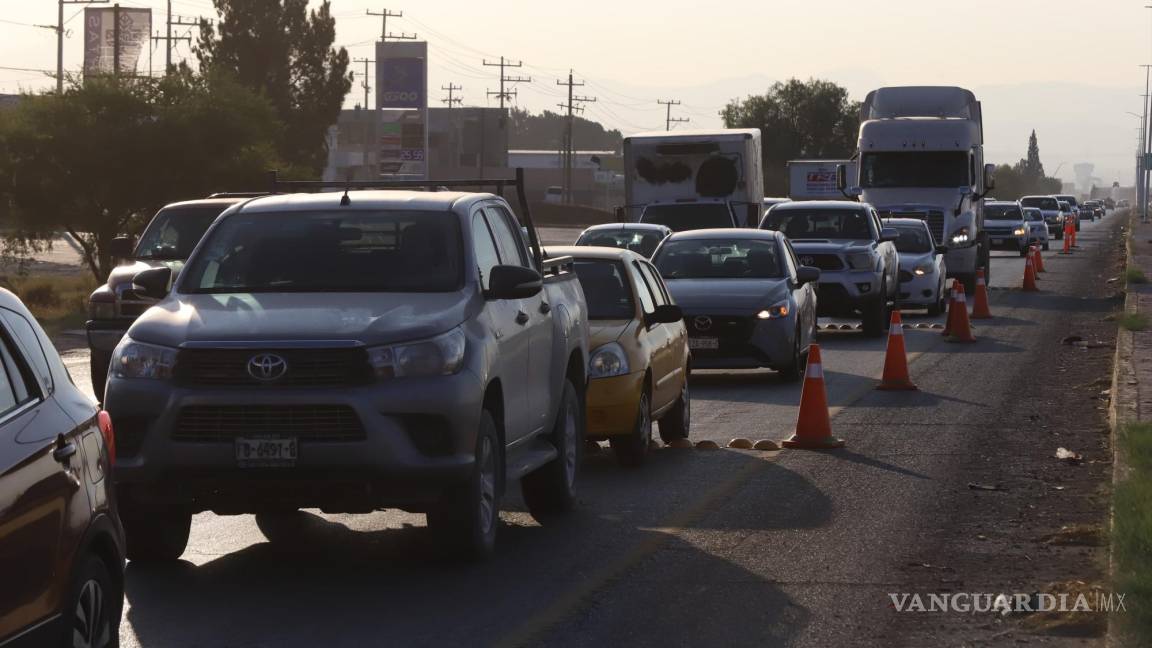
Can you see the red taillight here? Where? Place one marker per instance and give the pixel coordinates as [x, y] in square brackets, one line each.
[109, 436]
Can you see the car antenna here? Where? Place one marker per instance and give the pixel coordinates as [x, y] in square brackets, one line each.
[345, 200]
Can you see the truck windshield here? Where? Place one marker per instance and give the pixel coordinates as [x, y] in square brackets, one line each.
[920, 169]
[346, 251]
[174, 231]
[719, 259]
[1041, 202]
[689, 216]
[1003, 212]
[801, 224]
[643, 243]
[913, 239]
[605, 289]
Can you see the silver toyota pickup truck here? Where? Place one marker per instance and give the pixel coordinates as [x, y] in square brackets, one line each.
[351, 352]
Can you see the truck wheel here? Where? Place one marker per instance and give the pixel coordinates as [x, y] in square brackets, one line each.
[551, 488]
[632, 449]
[465, 521]
[154, 535]
[98, 362]
[876, 317]
[95, 605]
[677, 422]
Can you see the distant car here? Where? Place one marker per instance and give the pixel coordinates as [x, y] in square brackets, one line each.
[1050, 208]
[923, 275]
[61, 543]
[1039, 229]
[747, 301]
[554, 195]
[686, 216]
[1004, 222]
[641, 238]
[1097, 208]
[1070, 214]
[1123, 204]
[638, 352]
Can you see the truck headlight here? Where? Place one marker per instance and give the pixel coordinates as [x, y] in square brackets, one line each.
[1019, 231]
[860, 261]
[775, 311]
[132, 359]
[960, 236]
[607, 361]
[922, 269]
[442, 355]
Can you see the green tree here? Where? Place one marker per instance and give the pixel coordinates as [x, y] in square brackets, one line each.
[283, 51]
[1031, 167]
[799, 119]
[98, 160]
[545, 132]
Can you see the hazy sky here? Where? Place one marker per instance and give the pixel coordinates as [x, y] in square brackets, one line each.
[1067, 68]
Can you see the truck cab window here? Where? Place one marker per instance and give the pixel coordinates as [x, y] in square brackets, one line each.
[485, 248]
[507, 239]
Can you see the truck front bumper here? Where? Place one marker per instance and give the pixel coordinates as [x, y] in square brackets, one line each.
[961, 261]
[104, 335]
[844, 293]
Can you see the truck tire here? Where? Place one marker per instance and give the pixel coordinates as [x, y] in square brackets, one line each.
[154, 535]
[876, 315]
[551, 488]
[465, 521]
[677, 422]
[95, 605]
[632, 449]
[98, 362]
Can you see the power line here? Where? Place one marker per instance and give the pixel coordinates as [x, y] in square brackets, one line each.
[60, 39]
[452, 98]
[506, 94]
[364, 83]
[384, 33]
[569, 148]
[169, 38]
[668, 119]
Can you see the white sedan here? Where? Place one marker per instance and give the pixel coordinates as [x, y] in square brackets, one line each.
[1039, 229]
[922, 271]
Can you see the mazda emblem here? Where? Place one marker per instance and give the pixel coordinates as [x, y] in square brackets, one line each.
[702, 322]
[267, 367]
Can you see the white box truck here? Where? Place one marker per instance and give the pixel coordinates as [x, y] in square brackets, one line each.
[816, 179]
[921, 155]
[694, 179]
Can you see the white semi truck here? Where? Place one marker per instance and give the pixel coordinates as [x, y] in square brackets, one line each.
[694, 179]
[921, 155]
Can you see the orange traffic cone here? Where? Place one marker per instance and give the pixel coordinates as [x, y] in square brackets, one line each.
[813, 427]
[1039, 259]
[1032, 260]
[896, 359]
[948, 318]
[1072, 231]
[980, 308]
[961, 327]
[1068, 231]
[1030, 277]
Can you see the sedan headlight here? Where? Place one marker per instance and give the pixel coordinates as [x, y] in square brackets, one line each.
[775, 311]
[439, 356]
[860, 261]
[133, 359]
[922, 269]
[607, 361]
[960, 236]
[1019, 231]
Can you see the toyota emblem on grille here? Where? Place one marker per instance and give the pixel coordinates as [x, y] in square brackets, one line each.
[267, 367]
[702, 322]
[807, 260]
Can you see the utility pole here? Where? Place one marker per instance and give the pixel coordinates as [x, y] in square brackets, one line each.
[504, 94]
[60, 38]
[569, 149]
[364, 84]
[169, 39]
[452, 99]
[116, 40]
[1142, 179]
[384, 34]
[669, 120]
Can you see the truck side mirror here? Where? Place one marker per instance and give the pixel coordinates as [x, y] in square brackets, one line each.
[989, 177]
[120, 248]
[841, 177]
[153, 283]
[512, 282]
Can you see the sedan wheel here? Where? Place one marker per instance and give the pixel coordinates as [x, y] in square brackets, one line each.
[96, 608]
[632, 449]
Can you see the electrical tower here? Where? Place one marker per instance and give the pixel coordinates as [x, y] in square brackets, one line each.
[384, 33]
[452, 99]
[569, 147]
[504, 93]
[59, 29]
[669, 120]
[169, 38]
[364, 84]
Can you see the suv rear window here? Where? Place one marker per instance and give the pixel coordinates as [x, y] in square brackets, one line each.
[345, 251]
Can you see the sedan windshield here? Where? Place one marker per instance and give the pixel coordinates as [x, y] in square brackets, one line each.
[913, 239]
[719, 259]
[1003, 212]
[921, 169]
[348, 251]
[643, 243]
[174, 232]
[801, 224]
[605, 289]
[693, 216]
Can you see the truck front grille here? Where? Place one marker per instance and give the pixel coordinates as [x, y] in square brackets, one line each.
[822, 261]
[934, 218]
[304, 367]
[213, 423]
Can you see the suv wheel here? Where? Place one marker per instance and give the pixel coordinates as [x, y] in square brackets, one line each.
[677, 423]
[154, 535]
[466, 519]
[95, 606]
[632, 449]
[551, 488]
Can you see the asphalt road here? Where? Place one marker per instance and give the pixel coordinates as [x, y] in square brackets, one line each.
[697, 548]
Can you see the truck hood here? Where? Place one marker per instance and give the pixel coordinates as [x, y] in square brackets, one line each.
[724, 296]
[123, 274]
[945, 200]
[368, 318]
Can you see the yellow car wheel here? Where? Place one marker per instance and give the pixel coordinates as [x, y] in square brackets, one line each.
[632, 449]
[677, 422]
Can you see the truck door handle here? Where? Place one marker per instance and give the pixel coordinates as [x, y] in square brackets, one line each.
[64, 451]
[521, 318]
[545, 308]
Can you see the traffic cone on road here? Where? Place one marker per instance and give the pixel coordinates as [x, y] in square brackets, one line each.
[1038, 257]
[1068, 238]
[896, 376]
[948, 317]
[813, 427]
[1030, 276]
[980, 308]
[961, 327]
[1032, 260]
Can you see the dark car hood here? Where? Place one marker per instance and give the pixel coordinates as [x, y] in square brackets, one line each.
[368, 318]
[722, 296]
[123, 274]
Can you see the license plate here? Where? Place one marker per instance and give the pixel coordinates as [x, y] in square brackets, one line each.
[265, 453]
[703, 343]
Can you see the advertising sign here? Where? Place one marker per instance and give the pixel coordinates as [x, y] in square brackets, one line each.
[100, 38]
[401, 82]
[402, 140]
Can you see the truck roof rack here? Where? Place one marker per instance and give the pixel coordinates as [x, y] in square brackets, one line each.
[499, 184]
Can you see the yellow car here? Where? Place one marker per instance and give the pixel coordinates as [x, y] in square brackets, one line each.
[638, 366]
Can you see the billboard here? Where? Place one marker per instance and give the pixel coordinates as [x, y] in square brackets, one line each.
[402, 143]
[401, 83]
[100, 38]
